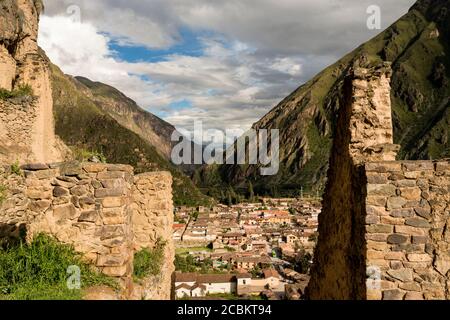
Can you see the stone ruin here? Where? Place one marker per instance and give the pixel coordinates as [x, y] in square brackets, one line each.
[105, 211]
[384, 229]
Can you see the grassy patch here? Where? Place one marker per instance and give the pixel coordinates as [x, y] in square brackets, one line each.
[82, 155]
[15, 168]
[21, 91]
[38, 271]
[3, 190]
[148, 262]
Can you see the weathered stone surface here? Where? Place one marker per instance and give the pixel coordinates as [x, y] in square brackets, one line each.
[395, 203]
[410, 286]
[88, 216]
[414, 257]
[103, 193]
[418, 222]
[60, 192]
[65, 212]
[411, 193]
[113, 202]
[402, 213]
[397, 239]
[394, 294]
[414, 296]
[35, 166]
[404, 275]
[380, 228]
[424, 212]
[408, 230]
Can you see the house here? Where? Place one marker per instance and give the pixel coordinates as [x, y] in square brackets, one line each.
[272, 278]
[200, 285]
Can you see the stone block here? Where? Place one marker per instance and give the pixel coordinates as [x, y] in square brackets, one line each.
[404, 275]
[67, 212]
[417, 257]
[411, 193]
[60, 192]
[113, 202]
[397, 239]
[418, 222]
[395, 294]
[412, 231]
[395, 203]
[380, 228]
[402, 213]
[103, 193]
[88, 216]
[381, 190]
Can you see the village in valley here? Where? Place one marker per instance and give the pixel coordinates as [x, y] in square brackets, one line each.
[260, 250]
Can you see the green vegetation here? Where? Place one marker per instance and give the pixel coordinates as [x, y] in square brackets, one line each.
[15, 169]
[3, 191]
[39, 271]
[21, 91]
[81, 123]
[417, 45]
[148, 262]
[188, 263]
[82, 155]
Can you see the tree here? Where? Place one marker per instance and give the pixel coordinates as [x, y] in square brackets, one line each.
[251, 193]
[303, 261]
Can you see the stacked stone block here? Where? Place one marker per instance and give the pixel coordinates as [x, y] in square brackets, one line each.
[408, 241]
[152, 225]
[93, 207]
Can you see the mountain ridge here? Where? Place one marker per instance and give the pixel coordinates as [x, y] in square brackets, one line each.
[418, 47]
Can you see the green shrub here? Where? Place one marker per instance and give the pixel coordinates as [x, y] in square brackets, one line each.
[3, 190]
[148, 261]
[38, 271]
[21, 91]
[82, 155]
[15, 168]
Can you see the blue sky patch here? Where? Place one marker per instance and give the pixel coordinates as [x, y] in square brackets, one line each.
[190, 44]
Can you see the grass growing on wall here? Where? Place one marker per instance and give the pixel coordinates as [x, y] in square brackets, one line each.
[38, 271]
[148, 262]
[21, 91]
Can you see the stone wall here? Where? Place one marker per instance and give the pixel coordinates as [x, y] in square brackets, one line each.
[383, 228]
[152, 225]
[92, 207]
[363, 131]
[22, 63]
[408, 230]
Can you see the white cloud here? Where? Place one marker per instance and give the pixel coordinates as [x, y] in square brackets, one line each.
[257, 53]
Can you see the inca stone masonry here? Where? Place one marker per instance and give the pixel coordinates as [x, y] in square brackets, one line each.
[384, 229]
[103, 210]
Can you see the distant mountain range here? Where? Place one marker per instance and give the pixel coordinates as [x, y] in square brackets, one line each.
[419, 48]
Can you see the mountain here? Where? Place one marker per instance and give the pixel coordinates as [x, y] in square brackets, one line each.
[92, 117]
[417, 45]
[129, 115]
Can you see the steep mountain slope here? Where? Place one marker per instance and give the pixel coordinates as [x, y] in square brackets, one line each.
[418, 47]
[129, 115]
[82, 122]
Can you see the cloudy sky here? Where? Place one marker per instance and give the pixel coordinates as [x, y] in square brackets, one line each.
[225, 62]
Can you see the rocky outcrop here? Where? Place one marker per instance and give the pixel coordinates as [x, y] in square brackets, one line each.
[23, 65]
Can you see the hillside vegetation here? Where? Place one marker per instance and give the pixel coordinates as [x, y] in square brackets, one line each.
[418, 47]
[83, 124]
